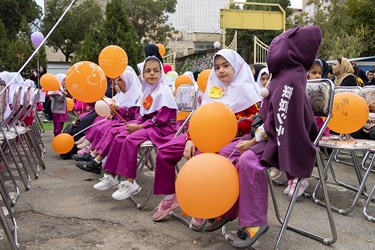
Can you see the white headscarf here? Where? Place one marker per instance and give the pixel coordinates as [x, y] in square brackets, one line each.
[28, 84]
[160, 92]
[133, 89]
[261, 72]
[242, 92]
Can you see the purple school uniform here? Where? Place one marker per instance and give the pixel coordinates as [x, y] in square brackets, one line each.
[288, 121]
[157, 127]
[97, 136]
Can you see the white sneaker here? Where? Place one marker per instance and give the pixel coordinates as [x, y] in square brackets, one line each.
[125, 190]
[107, 182]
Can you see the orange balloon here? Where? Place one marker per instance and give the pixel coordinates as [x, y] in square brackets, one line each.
[212, 126]
[69, 104]
[203, 79]
[161, 49]
[63, 143]
[349, 113]
[49, 82]
[86, 81]
[113, 60]
[207, 186]
[181, 115]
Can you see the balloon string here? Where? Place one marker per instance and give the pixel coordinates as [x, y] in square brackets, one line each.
[232, 153]
[109, 105]
[113, 82]
[83, 130]
[38, 48]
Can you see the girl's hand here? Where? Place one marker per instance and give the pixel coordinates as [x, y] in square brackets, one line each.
[189, 149]
[242, 146]
[115, 107]
[131, 128]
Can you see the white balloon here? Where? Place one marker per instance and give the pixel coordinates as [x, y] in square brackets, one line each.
[217, 45]
[102, 108]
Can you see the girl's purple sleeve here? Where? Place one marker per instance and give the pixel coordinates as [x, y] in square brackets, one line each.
[162, 117]
[129, 113]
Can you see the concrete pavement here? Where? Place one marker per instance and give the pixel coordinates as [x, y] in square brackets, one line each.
[63, 211]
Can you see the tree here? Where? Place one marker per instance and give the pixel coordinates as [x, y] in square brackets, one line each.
[347, 28]
[116, 30]
[12, 12]
[149, 17]
[77, 23]
[19, 50]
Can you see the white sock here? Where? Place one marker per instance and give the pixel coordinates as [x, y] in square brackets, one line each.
[169, 196]
[97, 161]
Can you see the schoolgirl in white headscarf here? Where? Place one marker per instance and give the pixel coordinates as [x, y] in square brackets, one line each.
[241, 93]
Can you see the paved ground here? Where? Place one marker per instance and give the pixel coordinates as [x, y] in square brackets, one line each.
[63, 211]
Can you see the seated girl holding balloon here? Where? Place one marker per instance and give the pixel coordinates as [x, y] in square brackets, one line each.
[285, 139]
[230, 82]
[156, 122]
[128, 90]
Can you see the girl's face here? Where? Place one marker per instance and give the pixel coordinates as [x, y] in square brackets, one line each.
[336, 67]
[152, 72]
[315, 72]
[264, 79]
[120, 84]
[224, 71]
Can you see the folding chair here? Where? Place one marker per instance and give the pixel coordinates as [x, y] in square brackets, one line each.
[320, 95]
[7, 220]
[8, 194]
[371, 194]
[345, 89]
[8, 139]
[360, 145]
[186, 96]
[15, 126]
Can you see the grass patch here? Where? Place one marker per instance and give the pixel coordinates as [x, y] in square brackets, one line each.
[49, 125]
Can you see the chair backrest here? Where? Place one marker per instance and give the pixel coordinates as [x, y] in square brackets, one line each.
[348, 89]
[28, 92]
[17, 98]
[3, 99]
[368, 93]
[186, 97]
[320, 94]
[186, 100]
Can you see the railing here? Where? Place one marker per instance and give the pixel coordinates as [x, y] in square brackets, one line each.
[260, 51]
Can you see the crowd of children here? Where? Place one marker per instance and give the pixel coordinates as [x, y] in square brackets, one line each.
[145, 109]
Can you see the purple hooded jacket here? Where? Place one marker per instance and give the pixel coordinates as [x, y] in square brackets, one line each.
[288, 118]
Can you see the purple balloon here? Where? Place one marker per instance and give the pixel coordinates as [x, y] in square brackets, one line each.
[37, 38]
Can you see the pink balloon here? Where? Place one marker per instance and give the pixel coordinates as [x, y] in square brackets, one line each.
[37, 38]
[167, 67]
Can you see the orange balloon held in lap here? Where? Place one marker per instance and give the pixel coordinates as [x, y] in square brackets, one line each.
[207, 186]
[63, 143]
[113, 60]
[349, 113]
[203, 79]
[212, 126]
[69, 104]
[181, 115]
[86, 81]
[49, 82]
[161, 49]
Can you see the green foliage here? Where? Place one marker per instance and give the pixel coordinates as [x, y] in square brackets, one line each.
[19, 50]
[116, 30]
[347, 27]
[13, 11]
[73, 28]
[149, 17]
